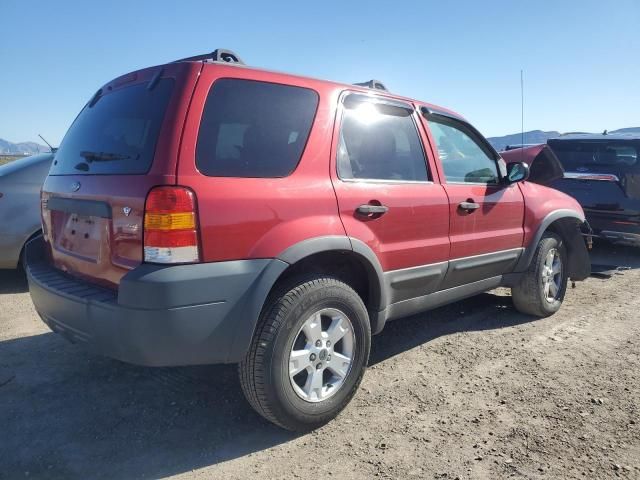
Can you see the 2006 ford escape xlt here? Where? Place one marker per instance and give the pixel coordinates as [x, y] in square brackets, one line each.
[206, 212]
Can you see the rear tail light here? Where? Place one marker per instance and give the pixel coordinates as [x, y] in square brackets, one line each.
[171, 226]
[45, 214]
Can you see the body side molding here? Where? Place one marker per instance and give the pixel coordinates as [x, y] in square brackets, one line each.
[414, 282]
[478, 267]
[433, 300]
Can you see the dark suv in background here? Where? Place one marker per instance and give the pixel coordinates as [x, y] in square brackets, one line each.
[603, 173]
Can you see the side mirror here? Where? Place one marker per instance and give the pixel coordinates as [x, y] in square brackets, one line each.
[517, 172]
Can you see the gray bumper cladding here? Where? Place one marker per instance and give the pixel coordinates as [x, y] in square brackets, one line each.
[161, 315]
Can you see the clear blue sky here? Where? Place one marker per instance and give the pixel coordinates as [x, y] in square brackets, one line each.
[580, 57]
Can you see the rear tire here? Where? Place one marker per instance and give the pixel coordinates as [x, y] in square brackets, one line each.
[541, 290]
[294, 375]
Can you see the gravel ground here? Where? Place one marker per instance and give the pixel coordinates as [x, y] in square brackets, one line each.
[473, 390]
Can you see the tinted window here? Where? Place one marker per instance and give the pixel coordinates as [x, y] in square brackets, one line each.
[576, 154]
[380, 142]
[117, 134]
[463, 158]
[254, 129]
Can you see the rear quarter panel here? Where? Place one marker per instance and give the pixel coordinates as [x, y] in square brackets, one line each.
[261, 217]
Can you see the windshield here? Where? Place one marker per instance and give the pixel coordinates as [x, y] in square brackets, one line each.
[576, 155]
[116, 133]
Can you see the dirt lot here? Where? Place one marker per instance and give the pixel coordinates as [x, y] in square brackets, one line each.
[473, 390]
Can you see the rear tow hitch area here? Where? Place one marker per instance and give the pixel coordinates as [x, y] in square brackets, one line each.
[587, 233]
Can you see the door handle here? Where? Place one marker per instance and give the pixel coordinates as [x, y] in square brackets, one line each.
[469, 206]
[369, 209]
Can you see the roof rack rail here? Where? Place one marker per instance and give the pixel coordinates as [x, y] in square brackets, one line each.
[373, 84]
[218, 55]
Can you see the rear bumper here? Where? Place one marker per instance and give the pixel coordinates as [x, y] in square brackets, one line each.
[621, 237]
[160, 315]
[615, 227]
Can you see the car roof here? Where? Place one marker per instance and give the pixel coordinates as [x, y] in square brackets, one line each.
[336, 85]
[597, 136]
[25, 162]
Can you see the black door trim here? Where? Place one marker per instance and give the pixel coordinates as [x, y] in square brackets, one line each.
[470, 269]
[443, 297]
[414, 282]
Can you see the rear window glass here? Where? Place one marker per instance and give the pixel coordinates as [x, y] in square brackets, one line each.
[117, 135]
[577, 155]
[254, 129]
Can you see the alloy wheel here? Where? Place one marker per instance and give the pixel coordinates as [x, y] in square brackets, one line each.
[321, 355]
[552, 275]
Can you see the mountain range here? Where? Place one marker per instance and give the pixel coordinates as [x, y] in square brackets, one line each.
[22, 148]
[539, 136]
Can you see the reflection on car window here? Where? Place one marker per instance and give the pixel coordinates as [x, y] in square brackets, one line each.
[462, 158]
[380, 142]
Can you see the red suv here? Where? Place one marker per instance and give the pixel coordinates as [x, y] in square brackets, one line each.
[205, 212]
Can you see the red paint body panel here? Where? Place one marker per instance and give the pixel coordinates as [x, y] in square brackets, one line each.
[496, 225]
[539, 202]
[544, 166]
[262, 217]
[527, 154]
[415, 230]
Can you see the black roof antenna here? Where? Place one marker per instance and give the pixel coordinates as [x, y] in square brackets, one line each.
[218, 55]
[373, 84]
[522, 113]
[53, 150]
[605, 132]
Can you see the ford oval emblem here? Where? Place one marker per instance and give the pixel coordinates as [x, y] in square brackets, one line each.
[75, 186]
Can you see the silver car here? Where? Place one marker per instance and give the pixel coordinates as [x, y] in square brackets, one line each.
[20, 183]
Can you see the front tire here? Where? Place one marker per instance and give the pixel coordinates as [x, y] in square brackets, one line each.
[541, 290]
[309, 353]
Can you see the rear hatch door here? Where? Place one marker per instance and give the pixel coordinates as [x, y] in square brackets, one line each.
[123, 143]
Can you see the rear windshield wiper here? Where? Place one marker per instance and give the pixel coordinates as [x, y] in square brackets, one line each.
[103, 156]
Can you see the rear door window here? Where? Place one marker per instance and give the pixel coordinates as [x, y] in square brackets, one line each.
[116, 133]
[254, 129]
[379, 141]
